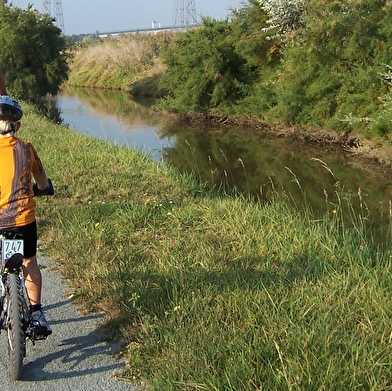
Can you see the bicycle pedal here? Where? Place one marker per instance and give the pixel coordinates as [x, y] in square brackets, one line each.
[39, 333]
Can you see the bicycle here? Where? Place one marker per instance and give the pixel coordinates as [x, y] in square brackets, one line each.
[14, 305]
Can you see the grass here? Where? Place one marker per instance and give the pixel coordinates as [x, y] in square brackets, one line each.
[129, 62]
[210, 292]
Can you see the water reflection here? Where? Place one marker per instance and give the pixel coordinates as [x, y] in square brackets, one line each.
[320, 177]
[238, 160]
[113, 116]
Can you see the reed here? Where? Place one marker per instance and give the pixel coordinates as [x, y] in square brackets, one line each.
[119, 63]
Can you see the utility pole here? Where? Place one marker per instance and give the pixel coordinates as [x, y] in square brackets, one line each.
[58, 12]
[48, 7]
[184, 13]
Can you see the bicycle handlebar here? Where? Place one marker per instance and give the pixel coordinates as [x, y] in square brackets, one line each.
[48, 191]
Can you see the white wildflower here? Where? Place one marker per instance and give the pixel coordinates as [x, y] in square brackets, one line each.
[285, 14]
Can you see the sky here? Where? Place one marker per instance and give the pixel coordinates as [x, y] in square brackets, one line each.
[89, 16]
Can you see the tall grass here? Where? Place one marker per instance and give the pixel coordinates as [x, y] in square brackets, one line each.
[119, 63]
[211, 292]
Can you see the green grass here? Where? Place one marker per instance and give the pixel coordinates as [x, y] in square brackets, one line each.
[211, 292]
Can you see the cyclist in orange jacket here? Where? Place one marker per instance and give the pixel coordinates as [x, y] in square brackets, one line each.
[20, 162]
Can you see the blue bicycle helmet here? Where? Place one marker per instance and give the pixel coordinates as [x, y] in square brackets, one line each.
[10, 109]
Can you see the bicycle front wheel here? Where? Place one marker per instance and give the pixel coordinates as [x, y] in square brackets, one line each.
[15, 330]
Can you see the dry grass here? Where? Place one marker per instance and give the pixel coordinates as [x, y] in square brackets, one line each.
[118, 62]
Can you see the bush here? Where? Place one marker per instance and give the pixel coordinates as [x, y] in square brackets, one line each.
[332, 64]
[218, 65]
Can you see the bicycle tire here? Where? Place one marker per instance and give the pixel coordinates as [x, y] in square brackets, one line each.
[15, 330]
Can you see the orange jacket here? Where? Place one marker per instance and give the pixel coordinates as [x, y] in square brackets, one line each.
[18, 162]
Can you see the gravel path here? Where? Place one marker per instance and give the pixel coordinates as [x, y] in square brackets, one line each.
[75, 357]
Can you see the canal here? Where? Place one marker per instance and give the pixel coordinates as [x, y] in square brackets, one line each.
[236, 160]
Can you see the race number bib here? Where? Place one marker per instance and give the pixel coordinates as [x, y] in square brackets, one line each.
[11, 247]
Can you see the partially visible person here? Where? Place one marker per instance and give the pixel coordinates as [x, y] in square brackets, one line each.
[20, 162]
[3, 90]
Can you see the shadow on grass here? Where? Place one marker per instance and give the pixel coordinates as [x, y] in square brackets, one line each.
[158, 292]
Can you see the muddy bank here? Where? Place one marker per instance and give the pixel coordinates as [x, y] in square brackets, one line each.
[358, 148]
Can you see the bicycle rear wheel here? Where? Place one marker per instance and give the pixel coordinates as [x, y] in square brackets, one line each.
[15, 330]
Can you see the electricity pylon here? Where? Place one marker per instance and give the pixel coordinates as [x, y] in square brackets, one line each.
[48, 7]
[184, 13]
[58, 12]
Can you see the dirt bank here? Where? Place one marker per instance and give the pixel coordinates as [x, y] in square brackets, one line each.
[360, 150]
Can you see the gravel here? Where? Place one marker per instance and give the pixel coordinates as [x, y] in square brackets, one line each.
[75, 357]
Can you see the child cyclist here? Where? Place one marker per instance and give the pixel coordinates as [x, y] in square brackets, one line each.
[20, 162]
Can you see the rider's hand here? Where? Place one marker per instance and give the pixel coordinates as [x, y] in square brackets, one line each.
[48, 191]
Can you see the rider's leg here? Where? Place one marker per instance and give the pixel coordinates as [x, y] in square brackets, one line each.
[33, 280]
[31, 271]
[33, 285]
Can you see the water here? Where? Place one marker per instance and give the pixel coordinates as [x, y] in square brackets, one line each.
[140, 134]
[238, 160]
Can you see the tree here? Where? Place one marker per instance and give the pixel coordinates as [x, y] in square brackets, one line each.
[32, 55]
[217, 65]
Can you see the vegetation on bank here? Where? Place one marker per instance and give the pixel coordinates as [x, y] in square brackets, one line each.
[208, 291]
[129, 62]
[330, 69]
[310, 63]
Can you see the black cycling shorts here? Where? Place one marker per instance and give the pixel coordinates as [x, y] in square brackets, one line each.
[30, 239]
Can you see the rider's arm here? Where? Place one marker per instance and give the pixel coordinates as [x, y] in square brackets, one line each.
[41, 180]
[38, 170]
